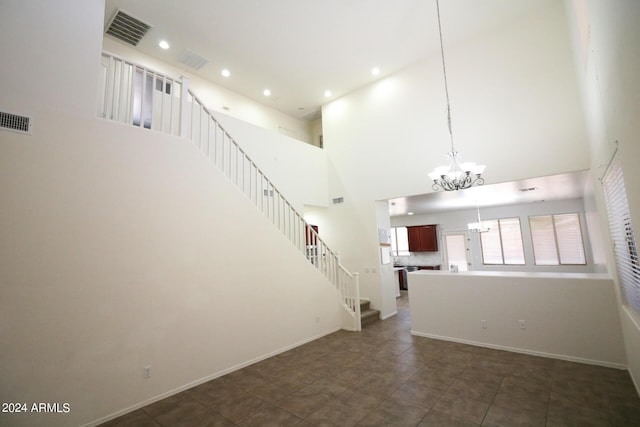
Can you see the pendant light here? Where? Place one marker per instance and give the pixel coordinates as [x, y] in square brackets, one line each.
[455, 176]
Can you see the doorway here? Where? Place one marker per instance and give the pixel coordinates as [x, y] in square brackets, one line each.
[456, 251]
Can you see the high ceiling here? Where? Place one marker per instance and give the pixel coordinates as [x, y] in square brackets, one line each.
[301, 48]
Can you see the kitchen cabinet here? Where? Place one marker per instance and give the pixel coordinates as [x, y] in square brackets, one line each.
[422, 238]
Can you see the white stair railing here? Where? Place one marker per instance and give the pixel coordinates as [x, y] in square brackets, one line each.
[141, 97]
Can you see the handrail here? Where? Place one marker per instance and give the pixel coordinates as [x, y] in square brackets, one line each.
[136, 95]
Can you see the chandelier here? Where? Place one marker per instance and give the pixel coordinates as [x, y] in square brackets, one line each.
[478, 227]
[455, 176]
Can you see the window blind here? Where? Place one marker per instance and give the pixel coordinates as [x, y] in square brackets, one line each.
[544, 241]
[557, 239]
[490, 242]
[624, 245]
[502, 244]
[569, 238]
[512, 241]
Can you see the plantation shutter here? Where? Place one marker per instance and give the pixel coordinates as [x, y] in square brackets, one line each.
[543, 238]
[490, 242]
[569, 235]
[502, 244]
[512, 241]
[625, 251]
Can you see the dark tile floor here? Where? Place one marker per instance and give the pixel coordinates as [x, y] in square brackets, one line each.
[383, 376]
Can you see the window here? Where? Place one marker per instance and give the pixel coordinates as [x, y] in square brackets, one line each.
[502, 244]
[399, 241]
[624, 245]
[557, 239]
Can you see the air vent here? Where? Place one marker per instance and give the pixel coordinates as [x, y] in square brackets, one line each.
[192, 60]
[338, 200]
[15, 123]
[126, 28]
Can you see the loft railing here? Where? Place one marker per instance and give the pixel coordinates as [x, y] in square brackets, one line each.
[135, 95]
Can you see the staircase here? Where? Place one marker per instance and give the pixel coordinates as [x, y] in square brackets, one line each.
[137, 96]
[367, 314]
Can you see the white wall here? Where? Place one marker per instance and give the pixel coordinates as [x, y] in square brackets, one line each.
[217, 98]
[567, 316]
[123, 248]
[514, 101]
[605, 40]
[298, 170]
[35, 38]
[458, 220]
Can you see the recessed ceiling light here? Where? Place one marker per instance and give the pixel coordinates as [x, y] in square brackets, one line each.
[375, 71]
[266, 92]
[163, 44]
[409, 213]
[225, 72]
[327, 93]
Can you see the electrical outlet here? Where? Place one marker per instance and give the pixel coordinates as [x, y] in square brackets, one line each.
[521, 323]
[373, 270]
[484, 324]
[146, 372]
[366, 270]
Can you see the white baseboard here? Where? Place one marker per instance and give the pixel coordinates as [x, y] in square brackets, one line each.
[205, 379]
[389, 315]
[523, 351]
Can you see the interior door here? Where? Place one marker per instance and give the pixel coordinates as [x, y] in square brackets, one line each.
[457, 250]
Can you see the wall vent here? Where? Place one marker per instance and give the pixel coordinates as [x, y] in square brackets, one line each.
[338, 200]
[192, 60]
[15, 122]
[126, 28]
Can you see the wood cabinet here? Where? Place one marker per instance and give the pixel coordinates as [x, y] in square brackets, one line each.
[422, 238]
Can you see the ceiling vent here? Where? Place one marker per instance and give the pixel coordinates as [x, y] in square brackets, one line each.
[126, 28]
[338, 200]
[15, 122]
[192, 60]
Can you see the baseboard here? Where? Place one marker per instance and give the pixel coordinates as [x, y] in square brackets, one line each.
[206, 379]
[389, 315]
[523, 351]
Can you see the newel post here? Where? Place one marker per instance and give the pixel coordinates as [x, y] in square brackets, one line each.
[184, 105]
[356, 279]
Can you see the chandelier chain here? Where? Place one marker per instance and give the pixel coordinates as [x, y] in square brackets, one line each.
[444, 71]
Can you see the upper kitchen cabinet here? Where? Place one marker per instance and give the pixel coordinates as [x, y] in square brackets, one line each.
[422, 238]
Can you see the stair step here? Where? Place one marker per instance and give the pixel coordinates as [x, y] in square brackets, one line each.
[369, 316]
[364, 304]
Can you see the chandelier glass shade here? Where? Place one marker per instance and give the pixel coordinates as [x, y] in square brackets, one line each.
[455, 176]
